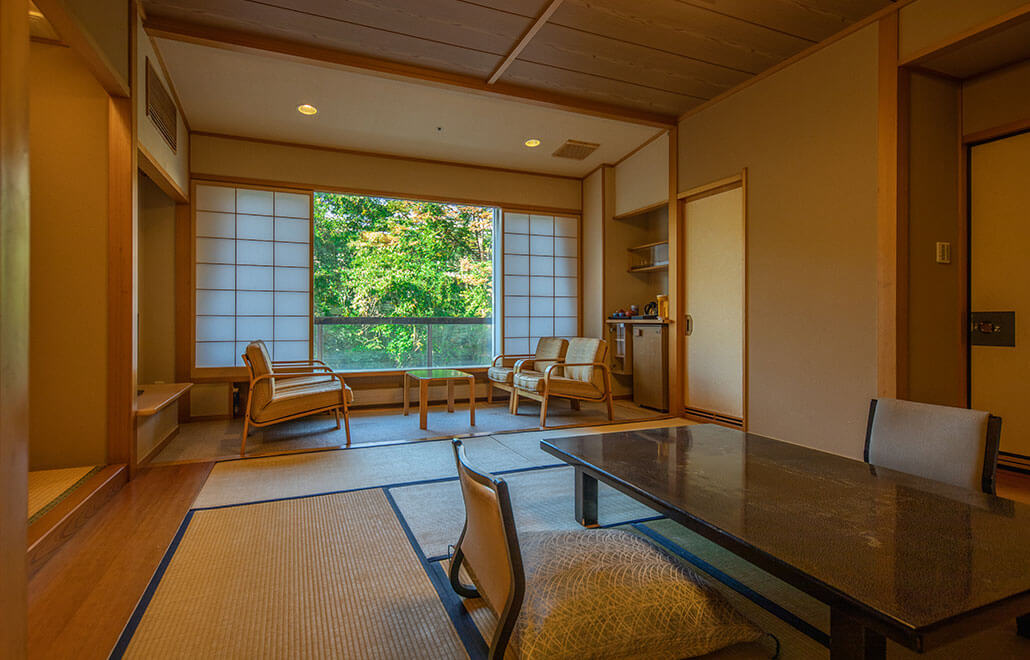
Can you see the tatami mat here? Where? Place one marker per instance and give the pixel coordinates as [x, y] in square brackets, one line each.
[48, 487]
[322, 577]
[541, 499]
[251, 480]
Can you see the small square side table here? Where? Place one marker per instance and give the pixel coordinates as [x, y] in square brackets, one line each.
[426, 376]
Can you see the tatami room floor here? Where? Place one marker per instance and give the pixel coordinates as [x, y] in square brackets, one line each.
[339, 553]
[220, 440]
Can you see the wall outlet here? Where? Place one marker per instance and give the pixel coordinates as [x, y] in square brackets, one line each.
[943, 252]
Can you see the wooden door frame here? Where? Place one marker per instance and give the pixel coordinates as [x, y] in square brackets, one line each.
[14, 325]
[700, 192]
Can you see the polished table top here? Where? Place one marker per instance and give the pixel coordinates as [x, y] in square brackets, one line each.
[902, 550]
[437, 374]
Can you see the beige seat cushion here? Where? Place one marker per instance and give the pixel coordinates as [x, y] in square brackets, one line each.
[500, 374]
[298, 400]
[312, 379]
[607, 593]
[534, 382]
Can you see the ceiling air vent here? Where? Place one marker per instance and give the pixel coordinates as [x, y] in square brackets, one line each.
[575, 150]
[161, 108]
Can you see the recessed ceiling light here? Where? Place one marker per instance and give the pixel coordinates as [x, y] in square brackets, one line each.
[532, 142]
[307, 109]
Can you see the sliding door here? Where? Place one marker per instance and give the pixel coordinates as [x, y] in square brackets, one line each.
[253, 273]
[540, 266]
[715, 298]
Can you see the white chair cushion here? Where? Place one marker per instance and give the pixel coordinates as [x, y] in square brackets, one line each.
[607, 593]
[937, 442]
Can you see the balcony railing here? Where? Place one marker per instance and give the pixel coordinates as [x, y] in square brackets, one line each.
[402, 342]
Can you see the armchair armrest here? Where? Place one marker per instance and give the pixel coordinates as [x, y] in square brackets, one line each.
[547, 373]
[503, 357]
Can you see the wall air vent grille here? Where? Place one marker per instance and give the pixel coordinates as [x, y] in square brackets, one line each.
[161, 108]
[575, 150]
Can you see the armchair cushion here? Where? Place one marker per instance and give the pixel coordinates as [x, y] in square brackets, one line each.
[260, 364]
[501, 374]
[608, 593]
[586, 349]
[548, 351]
[301, 399]
[533, 381]
[310, 379]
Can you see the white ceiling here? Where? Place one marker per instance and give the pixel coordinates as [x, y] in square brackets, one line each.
[256, 95]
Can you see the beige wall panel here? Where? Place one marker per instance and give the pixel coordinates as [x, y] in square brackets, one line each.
[156, 285]
[928, 23]
[593, 255]
[936, 350]
[320, 167]
[175, 163]
[996, 99]
[642, 180]
[807, 136]
[208, 399]
[68, 352]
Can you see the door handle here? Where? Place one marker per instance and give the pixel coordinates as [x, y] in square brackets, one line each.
[688, 326]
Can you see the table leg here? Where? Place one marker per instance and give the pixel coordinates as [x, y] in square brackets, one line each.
[404, 386]
[423, 403]
[472, 400]
[850, 640]
[586, 499]
[1023, 626]
[450, 395]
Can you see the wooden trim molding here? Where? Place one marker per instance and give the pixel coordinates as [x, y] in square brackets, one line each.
[302, 187]
[246, 42]
[58, 525]
[14, 325]
[183, 302]
[677, 284]
[378, 154]
[121, 299]
[996, 132]
[524, 41]
[970, 35]
[642, 209]
[887, 11]
[82, 42]
[160, 176]
[713, 188]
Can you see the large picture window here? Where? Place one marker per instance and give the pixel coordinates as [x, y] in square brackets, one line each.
[402, 284]
[253, 277]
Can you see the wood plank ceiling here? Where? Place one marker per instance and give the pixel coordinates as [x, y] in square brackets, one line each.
[661, 57]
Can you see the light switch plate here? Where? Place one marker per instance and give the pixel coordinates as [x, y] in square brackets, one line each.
[943, 252]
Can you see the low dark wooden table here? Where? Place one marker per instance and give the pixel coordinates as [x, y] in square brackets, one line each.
[893, 555]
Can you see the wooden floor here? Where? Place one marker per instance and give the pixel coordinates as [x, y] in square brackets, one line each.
[80, 600]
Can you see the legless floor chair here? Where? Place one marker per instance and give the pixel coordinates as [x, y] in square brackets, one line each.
[584, 375]
[600, 593]
[281, 391]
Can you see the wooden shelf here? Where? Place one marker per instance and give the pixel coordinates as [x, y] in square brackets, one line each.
[649, 269]
[639, 321]
[157, 396]
[648, 245]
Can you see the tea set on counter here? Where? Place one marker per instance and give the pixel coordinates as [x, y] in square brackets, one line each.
[656, 309]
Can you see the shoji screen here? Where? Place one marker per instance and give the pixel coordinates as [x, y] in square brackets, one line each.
[253, 277]
[541, 279]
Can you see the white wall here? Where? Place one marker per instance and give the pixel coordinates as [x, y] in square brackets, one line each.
[642, 180]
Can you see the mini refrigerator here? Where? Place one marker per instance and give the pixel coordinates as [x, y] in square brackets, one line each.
[651, 365]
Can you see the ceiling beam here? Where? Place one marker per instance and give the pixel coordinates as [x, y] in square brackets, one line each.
[216, 37]
[524, 41]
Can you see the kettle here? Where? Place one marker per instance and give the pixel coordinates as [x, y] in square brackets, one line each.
[651, 310]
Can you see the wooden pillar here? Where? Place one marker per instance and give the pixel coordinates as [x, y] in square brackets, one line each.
[14, 323]
[677, 284]
[892, 222]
